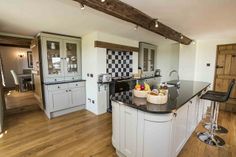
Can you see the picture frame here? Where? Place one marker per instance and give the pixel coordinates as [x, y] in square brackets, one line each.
[30, 59]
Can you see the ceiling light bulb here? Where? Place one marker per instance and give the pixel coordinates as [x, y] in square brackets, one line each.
[181, 36]
[82, 6]
[156, 23]
[136, 27]
[193, 42]
[103, 1]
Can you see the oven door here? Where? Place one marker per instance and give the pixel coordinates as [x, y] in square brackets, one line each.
[121, 87]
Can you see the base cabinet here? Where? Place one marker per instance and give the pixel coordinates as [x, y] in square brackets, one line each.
[141, 134]
[135, 133]
[58, 99]
[128, 131]
[155, 135]
[180, 129]
[64, 98]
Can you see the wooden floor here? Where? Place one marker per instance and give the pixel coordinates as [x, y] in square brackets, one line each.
[18, 102]
[82, 134]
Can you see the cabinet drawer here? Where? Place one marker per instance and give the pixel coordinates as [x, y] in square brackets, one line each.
[57, 79]
[76, 84]
[72, 78]
[57, 87]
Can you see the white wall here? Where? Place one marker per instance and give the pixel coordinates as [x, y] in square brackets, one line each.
[187, 59]
[94, 62]
[167, 60]
[206, 53]
[11, 61]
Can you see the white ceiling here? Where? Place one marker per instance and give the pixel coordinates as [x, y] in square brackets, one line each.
[28, 17]
[207, 19]
[198, 19]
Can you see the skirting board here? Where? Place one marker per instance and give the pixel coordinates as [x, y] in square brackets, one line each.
[63, 112]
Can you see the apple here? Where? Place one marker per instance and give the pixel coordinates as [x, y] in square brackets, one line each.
[142, 87]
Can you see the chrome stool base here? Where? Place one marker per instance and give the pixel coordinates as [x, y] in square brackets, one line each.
[211, 139]
[217, 129]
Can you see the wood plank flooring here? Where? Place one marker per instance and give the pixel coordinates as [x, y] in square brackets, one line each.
[83, 134]
[18, 102]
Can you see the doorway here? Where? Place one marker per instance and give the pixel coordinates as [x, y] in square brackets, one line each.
[226, 71]
[17, 83]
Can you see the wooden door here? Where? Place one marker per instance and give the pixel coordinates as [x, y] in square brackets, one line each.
[225, 72]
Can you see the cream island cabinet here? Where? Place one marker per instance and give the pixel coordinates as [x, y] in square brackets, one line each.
[155, 130]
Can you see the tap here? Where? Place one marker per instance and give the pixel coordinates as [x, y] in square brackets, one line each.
[175, 71]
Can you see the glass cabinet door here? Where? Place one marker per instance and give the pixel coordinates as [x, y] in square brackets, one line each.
[152, 57]
[145, 59]
[54, 57]
[71, 57]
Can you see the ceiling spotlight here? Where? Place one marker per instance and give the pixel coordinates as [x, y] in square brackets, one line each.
[82, 6]
[103, 1]
[156, 23]
[193, 42]
[181, 36]
[136, 27]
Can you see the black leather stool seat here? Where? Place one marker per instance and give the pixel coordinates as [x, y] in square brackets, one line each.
[219, 96]
[215, 96]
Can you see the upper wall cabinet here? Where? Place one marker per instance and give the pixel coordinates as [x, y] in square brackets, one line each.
[61, 58]
[147, 58]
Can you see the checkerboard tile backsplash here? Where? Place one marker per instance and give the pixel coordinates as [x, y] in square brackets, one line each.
[119, 63]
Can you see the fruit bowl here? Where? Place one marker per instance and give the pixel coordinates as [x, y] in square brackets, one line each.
[157, 99]
[140, 93]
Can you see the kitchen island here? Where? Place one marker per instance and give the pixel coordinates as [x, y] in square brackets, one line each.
[142, 129]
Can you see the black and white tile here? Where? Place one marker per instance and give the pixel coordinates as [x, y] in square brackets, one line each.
[124, 96]
[119, 63]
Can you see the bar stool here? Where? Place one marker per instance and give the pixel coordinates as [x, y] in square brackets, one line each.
[209, 137]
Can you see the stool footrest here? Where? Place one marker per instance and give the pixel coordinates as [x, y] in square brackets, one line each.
[210, 139]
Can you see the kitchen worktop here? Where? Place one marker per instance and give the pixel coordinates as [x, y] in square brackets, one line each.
[177, 97]
[61, 82]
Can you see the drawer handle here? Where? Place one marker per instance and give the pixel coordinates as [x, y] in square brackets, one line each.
[76, 84]
[55, 79]
[73, 78]
[191, 101]
[66, 90]
[69, 90]
[58, 87]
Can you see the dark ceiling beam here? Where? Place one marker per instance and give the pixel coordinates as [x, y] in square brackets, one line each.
[14, 41]
[128, 13]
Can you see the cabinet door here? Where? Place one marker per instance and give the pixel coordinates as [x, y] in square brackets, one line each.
[72, 58]
[77, 96]
[151, 60]
[157, 138]
[59, 99]
[145, 59]
[116, 125]
[180, 129]
[128, 131]
[191, 117]
[52, 58]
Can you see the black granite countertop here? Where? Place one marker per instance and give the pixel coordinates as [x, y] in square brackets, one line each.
[177, 97]
[61, 82]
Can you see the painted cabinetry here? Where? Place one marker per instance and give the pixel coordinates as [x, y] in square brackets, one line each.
[147, 57]
[64, 98]
[61, 57]
[141, 134]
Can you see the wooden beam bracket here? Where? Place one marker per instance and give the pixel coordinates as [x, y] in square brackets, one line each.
[117, 47]
[14, 41]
